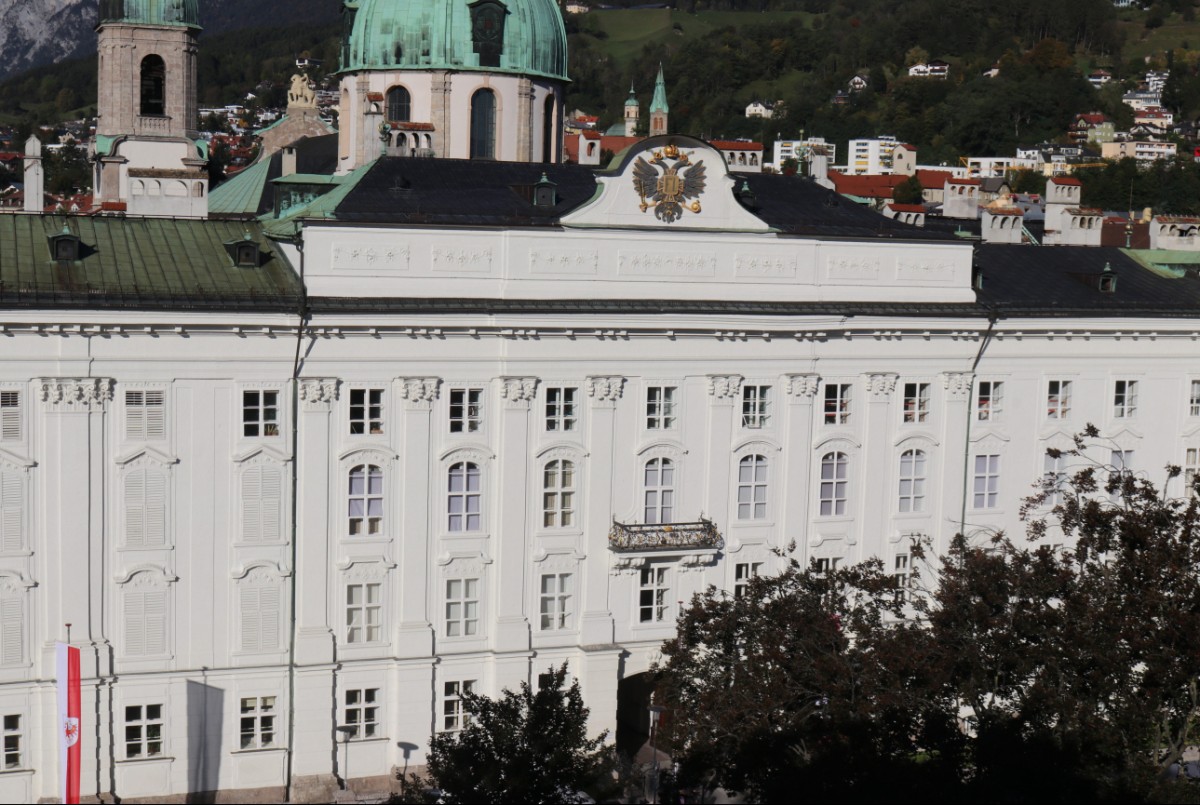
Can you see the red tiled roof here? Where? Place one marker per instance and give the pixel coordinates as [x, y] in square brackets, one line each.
[866, 186]
[408, 125]
[962, 181]
[1004, 210]
[1066, 180]
[374, 96]
[932, 180]
[1176, 219]
[735, 145]
[113, 206]
[1084, 211]
[590, 134]
[906, 207]
[1094, 118]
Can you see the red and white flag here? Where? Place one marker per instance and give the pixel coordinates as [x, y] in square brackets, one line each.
[68, 719]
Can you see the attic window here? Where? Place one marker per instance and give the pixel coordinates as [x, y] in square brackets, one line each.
[247, 255]
[64, 247]
[545, 193]
[1108, 280]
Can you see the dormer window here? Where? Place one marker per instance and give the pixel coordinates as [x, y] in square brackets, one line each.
[64, 247]
[487, 31]
[245, 252]
[545, 193]
[1108, 280]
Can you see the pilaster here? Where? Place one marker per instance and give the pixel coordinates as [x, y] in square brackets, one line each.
[724, 394]
[955, 432]
[314, 516]
[417, 396]
[512, 625]
[440, 112]
[801, 392]
[525, 115]
[604, 392]
[881, 387]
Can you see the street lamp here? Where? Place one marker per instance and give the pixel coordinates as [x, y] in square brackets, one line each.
[347, 733]
[655, 711]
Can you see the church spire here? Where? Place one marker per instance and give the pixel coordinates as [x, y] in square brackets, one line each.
[658, 106]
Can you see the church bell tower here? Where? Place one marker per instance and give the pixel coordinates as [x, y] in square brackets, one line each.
[146, 152]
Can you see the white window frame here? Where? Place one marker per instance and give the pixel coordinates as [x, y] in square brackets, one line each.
[145, 415]
[463, 606]
[454, 715]
[826, 565]
[559, 494]
[466, 409]
[262, 514]
[555, 593]
[266, 633]
[902, 575]
[1125, 399]
[11, 420]
[756, 406]
[1191, 466]
[468, 518]
[371, 496]
[362, 709]
[363, 607]
[753, 487]
[261, 415]
[131, 593]
[258, 722]
[838, 398]
[1054, 468]
[985, 489]
[562, 409]
[658, 499]
[367, 414]
[654, 594]
[912, 480]
[661, 403]
[14, 741]
[989, 400]
[742, 573]
[146, 719]
[833, 491]
[916, 402]
[1058, 399]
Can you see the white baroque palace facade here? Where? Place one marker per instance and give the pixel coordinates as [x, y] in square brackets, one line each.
[279, 484]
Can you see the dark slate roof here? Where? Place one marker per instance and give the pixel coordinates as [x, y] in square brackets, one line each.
[1062, 281]
[141, 263]
[462, 192]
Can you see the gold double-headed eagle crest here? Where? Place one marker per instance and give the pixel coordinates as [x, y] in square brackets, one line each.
[665, 187]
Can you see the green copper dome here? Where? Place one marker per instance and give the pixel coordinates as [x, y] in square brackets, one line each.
[526, 37]
[151, 12]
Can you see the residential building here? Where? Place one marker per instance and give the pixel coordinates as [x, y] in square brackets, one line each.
[1141, 150]
[870, 155]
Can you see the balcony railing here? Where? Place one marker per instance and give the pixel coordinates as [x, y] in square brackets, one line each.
[632, 537]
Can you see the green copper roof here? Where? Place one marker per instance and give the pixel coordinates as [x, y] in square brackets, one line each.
[151, 12]
[241, 193]
[659, 102]
[438, 34]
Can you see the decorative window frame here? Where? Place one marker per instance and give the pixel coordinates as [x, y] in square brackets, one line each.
[657, 434]
[491, 407]
[121, 421]
[15, 584]
[934, 400]
[151, 576]
[364, 570]
[20, 466]
[988, 444]
[482, 456]
[390, 412]
[140, 459]
[559, 451]
[540, 400]
[463, 565]
[915, 440]
[259, 572]
[282, 413]
[258, 456]
[853, 450]
[258, 689]
[775, 408]
[772, 451]
[657, 448]
[556, 561]
[25, 413]
[387, 460]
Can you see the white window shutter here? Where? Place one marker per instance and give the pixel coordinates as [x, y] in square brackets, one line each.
[156, 418]
[135, 508]
[252, 505]
[156, 508]
[272, 503]
[135, 624]
[12, 510]
[10, 424]
[156, 622]
[251, 618]
[12, 631]
[269, 609]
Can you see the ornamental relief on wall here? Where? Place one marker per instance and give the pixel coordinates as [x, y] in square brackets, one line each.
[349, 256]
[563, 261]
[666, 264]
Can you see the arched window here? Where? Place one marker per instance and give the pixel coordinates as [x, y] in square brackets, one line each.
[464, 502]
[558, 494]
[483, 125]
[659, 491]
[833, 484]
[752, 488]
[399, 105]
[912, 481]
[548, 130]
[366, 500]
[154, 84]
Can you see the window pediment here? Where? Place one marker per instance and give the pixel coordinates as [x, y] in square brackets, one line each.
[260, 570]
[146, 575]
[662, 448]
[263, 453]
[13, 461]
[367, 454]
[916, 439]
[468, 563]
[837, 442]
[145, 456]
[567, 450]
[15, 581]
[477, 453]
[756, 444]
[366, 568]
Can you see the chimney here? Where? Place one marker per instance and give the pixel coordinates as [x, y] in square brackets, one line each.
[288, 163]
[35, 183]
[818, 167]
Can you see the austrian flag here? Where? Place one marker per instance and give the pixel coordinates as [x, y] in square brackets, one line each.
[68, 719]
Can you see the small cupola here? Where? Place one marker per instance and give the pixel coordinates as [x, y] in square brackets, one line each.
[1108, 279]
[245, 252]
[746, 196]
[545, 192]
[64, 246]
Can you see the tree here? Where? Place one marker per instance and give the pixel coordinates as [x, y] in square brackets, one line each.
[522, 747]
[909, 191]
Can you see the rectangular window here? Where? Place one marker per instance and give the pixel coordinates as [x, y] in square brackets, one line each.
[653, 591]
[257, 722]
[1121, 462]
[143, 730]
[145, 623]
[660, 407]
[1190, 467]
[466, 410]
[989, 401]
[364, 613]
[362, 712]
[901, 576]
[755, 406]
[454, 715]
[1055, 473]
[10, 416]
[916, 402]
[556, 601]
[145, 415]
[260, 610]
[1058, 399]
[13, 736]
[560, 409]
[837, 403]
[260, 413]
[1125, 398]
[366, 412]
[1193, 399]
[827, 564]
[987, 482]
[462, 607]
[742, 573]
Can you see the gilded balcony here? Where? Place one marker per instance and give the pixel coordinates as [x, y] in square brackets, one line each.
[635, 537]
